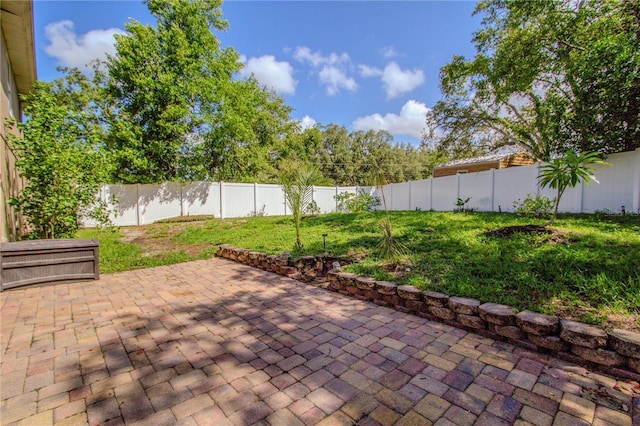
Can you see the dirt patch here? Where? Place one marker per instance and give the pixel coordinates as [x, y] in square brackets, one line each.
[553, 235]
[609, 320]
[161, 241]
[398, 270]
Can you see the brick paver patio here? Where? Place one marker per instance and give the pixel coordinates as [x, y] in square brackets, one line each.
[214, 342]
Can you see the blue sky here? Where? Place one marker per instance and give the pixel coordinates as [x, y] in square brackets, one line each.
[361, 64]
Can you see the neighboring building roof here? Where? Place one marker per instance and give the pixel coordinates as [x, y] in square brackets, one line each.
[484, 159]
[17, 28]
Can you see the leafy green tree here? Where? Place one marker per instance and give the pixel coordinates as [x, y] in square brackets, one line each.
[566, 172]
[297, 185]
[246, 134]
[548, 76]
[59, 156]
[352, 158]
[301, 145]
[163, 80]
[179, 114]
[335, 156]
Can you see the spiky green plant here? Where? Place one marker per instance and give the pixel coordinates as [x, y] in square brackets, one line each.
[298, 192]
[389, 248]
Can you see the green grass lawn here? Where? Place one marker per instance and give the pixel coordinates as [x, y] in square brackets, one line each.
[591, 272]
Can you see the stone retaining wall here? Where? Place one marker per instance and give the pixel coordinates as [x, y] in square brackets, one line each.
[617, 351]
[306, 268]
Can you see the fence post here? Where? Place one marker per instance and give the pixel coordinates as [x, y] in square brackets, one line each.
[255, 198]
[431, 193]
[181, 201]
[493, 190]
[409, 195]
[221, 200]
[138, 204]
[284, 200]
[635, 196]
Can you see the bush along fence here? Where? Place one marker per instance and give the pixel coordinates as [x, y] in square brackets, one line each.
[616, 352]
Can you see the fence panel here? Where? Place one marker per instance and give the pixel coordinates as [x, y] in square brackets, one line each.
[571, 201]
[400, 196]
[237, 199]
[420, 193]
[478, 187]
[619, 185]
[123, 199]
[445, 193]
[201, 198]
[270, 200]
[158, 202]
[325, 198]
[512, 184]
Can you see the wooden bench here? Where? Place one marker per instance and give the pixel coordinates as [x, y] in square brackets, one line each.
[44, 261]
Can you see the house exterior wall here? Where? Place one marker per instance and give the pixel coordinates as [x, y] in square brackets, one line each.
[521, 159]
[17, 76]
[470, 168]
[516, 160]
[11, 183]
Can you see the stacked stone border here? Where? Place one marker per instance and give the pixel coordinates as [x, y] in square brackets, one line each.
[616, 352]
[305, 269]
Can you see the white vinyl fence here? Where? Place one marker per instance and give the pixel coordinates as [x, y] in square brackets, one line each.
[492, 190]
[496, 190]
[144, 204]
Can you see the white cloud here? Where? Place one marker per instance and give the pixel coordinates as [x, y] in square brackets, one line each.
[277, 75]
[307, 122]
[410, 121]
[304, 54]
[397, 81]
[389, 52]
[336, 79]
[367, 71]
[333, 69]
[72, 50]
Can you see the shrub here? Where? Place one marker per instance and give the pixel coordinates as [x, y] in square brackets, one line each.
[360, 202]
[461, 205]
[534, 206]
[312, 209]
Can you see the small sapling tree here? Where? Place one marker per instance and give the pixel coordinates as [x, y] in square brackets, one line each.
[298, 192]
[566, 172]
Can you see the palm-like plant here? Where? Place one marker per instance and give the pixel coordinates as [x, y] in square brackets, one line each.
[389, 248]
[298, 193]
[566, 172]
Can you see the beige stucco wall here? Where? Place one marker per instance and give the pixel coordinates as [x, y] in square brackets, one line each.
[10, 182]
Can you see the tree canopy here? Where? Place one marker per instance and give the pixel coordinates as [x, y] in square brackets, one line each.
[177, 111]
[548, 76]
